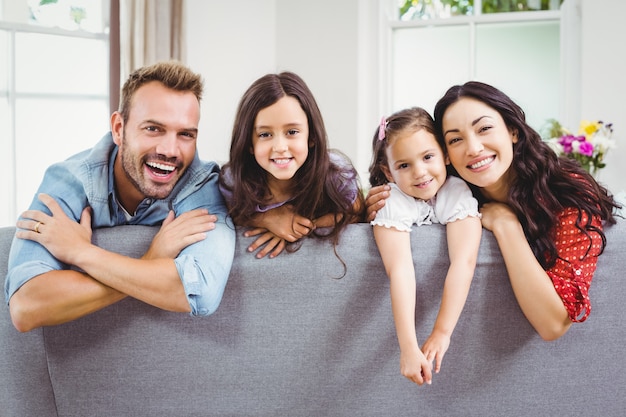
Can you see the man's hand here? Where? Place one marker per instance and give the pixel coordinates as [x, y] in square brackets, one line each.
[64, 238]
[177, 233]
[375, 200]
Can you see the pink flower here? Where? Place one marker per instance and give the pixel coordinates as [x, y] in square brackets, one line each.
[585, 148]
[567, 140]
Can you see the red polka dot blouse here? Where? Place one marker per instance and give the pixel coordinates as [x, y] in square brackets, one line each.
[577, 259]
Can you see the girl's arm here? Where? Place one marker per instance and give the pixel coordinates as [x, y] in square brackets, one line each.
[531, 285]
[275, 227]
[329, 220]
[395, 250]
[463, 241]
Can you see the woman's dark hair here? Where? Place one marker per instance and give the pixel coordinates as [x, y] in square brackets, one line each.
[413, 119]
[544, 184]
[314, 193]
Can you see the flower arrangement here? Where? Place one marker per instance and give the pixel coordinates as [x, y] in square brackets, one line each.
[588, 147]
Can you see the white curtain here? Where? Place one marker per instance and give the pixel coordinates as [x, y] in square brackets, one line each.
[150, 31]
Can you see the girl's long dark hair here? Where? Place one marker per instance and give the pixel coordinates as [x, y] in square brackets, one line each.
[314, 193]
[544, 183]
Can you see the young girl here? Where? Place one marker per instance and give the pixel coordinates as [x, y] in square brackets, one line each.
[282, 180]
[408, 157]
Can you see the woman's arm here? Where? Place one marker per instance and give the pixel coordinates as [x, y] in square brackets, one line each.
[463, 242]
[531, 285]
[395, 250]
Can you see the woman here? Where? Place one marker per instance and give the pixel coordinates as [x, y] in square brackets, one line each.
[545, 211]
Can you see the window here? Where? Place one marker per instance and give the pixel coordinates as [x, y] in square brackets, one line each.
[54, 89]
[438, 43]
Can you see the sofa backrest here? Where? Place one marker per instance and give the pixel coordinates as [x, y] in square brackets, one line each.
[295, 337]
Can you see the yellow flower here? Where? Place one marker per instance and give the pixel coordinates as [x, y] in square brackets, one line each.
[588, 128]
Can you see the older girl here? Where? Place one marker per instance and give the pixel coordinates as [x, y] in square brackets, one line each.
[281, 179]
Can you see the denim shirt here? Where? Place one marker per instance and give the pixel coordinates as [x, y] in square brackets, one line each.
[86, 179]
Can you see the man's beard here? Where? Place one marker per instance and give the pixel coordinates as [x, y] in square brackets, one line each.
[134, 170]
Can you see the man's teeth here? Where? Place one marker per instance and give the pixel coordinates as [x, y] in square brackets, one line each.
[481, 163]
[162, 167]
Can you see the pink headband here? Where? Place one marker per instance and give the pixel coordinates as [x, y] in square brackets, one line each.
[381, 128]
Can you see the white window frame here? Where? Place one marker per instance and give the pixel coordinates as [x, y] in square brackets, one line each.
[570, 28]
[9, 209]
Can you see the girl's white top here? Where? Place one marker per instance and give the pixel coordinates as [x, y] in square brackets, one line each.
[454, 201]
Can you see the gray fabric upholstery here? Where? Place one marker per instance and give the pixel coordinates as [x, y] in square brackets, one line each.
[294, 338]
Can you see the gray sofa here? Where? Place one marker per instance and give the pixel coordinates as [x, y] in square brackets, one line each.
[293, 338]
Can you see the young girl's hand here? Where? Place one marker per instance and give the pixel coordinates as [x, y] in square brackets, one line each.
[415, 367]
[435, 347]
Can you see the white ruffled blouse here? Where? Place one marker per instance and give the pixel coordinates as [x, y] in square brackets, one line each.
[454, 201]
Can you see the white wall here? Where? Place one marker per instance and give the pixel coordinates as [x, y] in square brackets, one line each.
[231, 44]
[234, 43]
[603, 76]
[335, 47]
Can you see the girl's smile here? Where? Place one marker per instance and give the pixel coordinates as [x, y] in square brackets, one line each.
[416, 164]
[281, 140]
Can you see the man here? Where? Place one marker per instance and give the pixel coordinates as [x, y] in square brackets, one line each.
[145, 171]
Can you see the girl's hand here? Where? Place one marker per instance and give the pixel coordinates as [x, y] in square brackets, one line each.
[274, 245]
[284, 224]
[435, 347]
[415, 367]
[494, 214]
[375, 200]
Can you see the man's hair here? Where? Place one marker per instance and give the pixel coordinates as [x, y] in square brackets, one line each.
[172, 74]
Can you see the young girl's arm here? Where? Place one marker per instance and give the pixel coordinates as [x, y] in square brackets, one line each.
[395, 250]
[463, 241]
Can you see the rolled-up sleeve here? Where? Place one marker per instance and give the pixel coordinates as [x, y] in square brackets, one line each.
[204, 267]
[27, 258]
